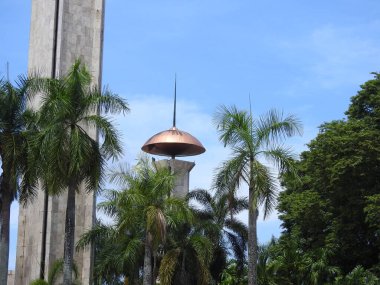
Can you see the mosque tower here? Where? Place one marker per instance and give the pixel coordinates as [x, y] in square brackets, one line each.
[61, 31]
[174, 143]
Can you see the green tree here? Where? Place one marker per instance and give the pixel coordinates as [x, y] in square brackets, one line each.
[13, 158]
[55, 271]
[366, 104]
[228, 234]
[266, 268]
[187, 257]
[143, 211]
[339, 172]
[358, 276]
[333, 205]
[118, 255]
[231, 275]
[70, 117]
[252, 140]
[290, 263]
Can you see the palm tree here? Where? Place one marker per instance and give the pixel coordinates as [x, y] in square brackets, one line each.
[187, 257]
[321, 272]
[14, 159]
[266, 268]
[231, 275]
[358, 276]
[55, 272]
[252, 140]
[143, 211]
[67, 145]
[118, 254]
[228, 234]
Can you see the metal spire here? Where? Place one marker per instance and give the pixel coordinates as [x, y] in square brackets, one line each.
[175, 101]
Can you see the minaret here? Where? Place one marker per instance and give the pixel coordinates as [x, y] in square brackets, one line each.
[174, 143]
[61, 31]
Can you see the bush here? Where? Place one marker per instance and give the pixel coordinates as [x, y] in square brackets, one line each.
[39, 282]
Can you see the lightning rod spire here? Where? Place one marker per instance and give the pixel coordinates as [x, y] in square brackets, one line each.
[175, 101]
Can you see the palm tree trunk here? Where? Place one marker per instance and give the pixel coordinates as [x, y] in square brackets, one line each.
[5, 212]
[44, 233]
[68, 253]
[147, 278]
[155, 267]
[252, 239]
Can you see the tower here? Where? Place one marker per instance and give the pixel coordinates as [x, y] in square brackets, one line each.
[61, 31]
[174, 143]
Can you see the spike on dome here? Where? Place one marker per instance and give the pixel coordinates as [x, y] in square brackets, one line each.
[173, 142]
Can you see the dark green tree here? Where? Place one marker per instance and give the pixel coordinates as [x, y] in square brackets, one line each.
[229, 235]
[16, 181]
[187, 255]
[71, 116]
[333, 206]
[366, 104]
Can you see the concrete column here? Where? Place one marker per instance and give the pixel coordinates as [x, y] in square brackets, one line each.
[11, 277]
[181, 169]
[79, 26]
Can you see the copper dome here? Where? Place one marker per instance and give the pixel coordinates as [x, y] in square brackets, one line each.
[173, 142]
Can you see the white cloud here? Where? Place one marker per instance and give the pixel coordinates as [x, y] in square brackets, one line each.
[332, 56]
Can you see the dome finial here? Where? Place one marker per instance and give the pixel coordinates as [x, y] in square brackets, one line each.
[173, 142]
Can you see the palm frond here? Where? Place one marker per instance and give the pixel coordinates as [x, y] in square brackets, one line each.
[201, 196]
[238, 227]
[232, 125]
[230, 174]
[168, 265]
[265, 188]
[111, 147]
[272, 127]
[106, 102]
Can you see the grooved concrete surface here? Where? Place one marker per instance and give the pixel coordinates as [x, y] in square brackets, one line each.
[80, 35]
[181, 169]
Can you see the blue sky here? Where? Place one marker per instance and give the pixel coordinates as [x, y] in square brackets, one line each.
[303, 57]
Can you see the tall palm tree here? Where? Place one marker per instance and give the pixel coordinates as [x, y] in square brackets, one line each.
[228, 234]
[13, 158]
[252, 140]
[67, 147]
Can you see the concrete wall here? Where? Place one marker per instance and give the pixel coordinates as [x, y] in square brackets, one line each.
[11, 277]
[80, 35]
[181, 169]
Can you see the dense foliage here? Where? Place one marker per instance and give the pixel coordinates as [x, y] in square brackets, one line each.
[332, 212]
[163, 236]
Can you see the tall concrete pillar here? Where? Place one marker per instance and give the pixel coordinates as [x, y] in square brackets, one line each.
[181, 169]
[61, 31]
